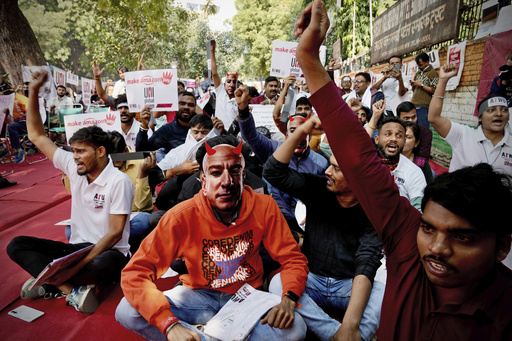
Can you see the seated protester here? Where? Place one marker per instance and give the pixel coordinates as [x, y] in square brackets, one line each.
[491, 142]
[303, 160]
[406, 111]
[226, 213]
[129, 125]
[171, 135]
[270, 92]
[341, 245]
[100, 207]
[390, 141]
[180, 162]
[502, 83]
[364, 92]
[444, 276]
[411, 148]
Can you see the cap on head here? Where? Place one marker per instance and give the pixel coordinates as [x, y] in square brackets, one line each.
[495, 101]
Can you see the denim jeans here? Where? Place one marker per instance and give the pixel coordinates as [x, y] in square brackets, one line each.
[197, 307]
[14, 130]
[333, 295]
[422, 114]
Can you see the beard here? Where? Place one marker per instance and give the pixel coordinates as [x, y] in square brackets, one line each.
[385, 155]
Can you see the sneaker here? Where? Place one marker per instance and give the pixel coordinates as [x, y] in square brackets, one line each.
[31, 152]
[19, 156]
[3, 151]
[6, 183]
[83, 299]
[34, 293]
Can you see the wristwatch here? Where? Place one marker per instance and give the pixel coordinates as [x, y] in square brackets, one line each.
[293, 296]
[422, 85]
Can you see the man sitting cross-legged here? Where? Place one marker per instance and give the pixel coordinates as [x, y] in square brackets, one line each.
[445, 280]
[341, 245]
[100, 205]
[218, 233]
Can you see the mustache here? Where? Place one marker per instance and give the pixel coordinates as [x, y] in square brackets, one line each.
[440, 260]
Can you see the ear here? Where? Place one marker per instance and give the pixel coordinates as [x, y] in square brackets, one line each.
[376, 138]
[101, 151]
[503, 247]
[203, 182]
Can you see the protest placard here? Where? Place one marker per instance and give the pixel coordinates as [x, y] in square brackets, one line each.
[456, 56]
[6, 107]
[87, 85]
[71, 78]
[59, 76]
[284, 62]
[105, 120]
[263, 117]
[433, 58]
[48, 91]
[157, 89]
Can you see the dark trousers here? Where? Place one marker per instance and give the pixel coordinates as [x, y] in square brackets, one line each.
[34, 254]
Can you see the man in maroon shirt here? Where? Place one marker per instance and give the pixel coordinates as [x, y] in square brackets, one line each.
[271, 93]
[445, 278]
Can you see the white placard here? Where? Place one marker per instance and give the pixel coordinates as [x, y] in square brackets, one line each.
[204, 100]
[6, 102]
[48, 91]
[105, 120]
[157, 89]
[87, 85]
[433, 57]
[456, 56]
[71, 78]
[504, 22]
[412, 68]
[263, 116]
[59, 76]
[284, 62]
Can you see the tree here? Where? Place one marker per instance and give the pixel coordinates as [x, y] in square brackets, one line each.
[19, 44]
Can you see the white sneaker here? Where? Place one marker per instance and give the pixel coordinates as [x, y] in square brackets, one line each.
[34, 293]
[84, 299]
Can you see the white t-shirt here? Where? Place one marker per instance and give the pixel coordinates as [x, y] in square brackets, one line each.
[225, 109]
[390, 88]
[119, 88]
[64, 102]
[92, 204]
[131, 137]
[470, 147]
[409, 178]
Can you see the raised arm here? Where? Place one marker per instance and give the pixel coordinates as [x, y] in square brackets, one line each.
[280, 101]
[378, 110]
[97, 72]
[35, 127]
[215, 73]
[441, 124]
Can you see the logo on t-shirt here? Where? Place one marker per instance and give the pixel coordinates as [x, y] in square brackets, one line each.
[99, 200]
[225, 260]
[507, 159]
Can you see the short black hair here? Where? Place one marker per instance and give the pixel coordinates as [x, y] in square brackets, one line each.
[201, 121]
[405, 106]
[118, 141]
[93, 136]
[122, 68]
[423, 57]
[367, 111]
[271, 79]
[390, 119]
[366, 76]
[215, 141]
[61, 86]
[395, 56]
[303, 101]
[253, 92]
[478, 194]
[187, 93]
[415, 131]
[182, 84]
[121, 99]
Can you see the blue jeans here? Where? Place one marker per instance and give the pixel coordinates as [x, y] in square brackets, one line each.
[14, 130]
[197, 307]
[422, 114]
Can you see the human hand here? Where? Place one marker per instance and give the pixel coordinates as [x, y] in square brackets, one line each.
[282, 315]
[347, 333]
[178, 333]
[96, 71]
[332, 62]
[213, 45]
[448, 71]
[189, 167]
[312, 24]
[354, 104]
[145, 117]
[415, 83]
[218, 124]
[312, 126]
[242, 97]
[38, 79]
[378, 108]
[289, 80]
[148, 163]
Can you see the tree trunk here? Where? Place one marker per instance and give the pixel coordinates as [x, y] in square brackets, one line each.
[18, 44]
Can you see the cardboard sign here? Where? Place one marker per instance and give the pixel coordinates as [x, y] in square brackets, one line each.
[157, 89]
[48, 90]
[263, 117]
[204, 100]
[6, 107]
[105, 120]
[87, 85]
[456, 56]
[71, 78]
[284, 62]
[433, 57]
[59, 76]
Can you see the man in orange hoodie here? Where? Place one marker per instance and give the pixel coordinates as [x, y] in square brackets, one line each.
[218, 233]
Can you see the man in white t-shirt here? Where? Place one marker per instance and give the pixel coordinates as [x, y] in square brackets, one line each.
[392, 85]
[225, 105]
[100, 207]
[129, 125]
[61, 101]
[409, 178]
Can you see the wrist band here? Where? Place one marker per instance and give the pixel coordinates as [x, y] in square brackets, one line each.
[369, 126]
[172, 173]
[97, 78]
[441, 97]
[170, 326]
[142, 129]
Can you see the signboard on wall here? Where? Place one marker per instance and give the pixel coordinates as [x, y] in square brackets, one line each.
[410, 25]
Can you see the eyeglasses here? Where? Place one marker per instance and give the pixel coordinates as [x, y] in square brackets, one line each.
[358, 81]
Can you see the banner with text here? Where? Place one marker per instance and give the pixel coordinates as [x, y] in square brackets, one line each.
[105, 120]
[59, 76]
[284, 62]
[71, 78]
[263, 117]
[48, 91]
[456, 56]
[157, 89]
[410, 25]
[6, 108]
[87, 85]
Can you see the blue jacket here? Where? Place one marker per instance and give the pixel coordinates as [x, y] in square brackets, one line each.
[264, 147]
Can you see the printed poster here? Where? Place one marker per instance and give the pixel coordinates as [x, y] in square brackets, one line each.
[6, 107]
[71, 78]
[433, 57]
[284, 62]
[48, 91]
[157, 89]
[105, 120]
[456, 56]
[263, 116]
[59, 76]
[87, 85]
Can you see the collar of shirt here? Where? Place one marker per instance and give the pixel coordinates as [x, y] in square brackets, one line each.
[101, 180]
[507, 138]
